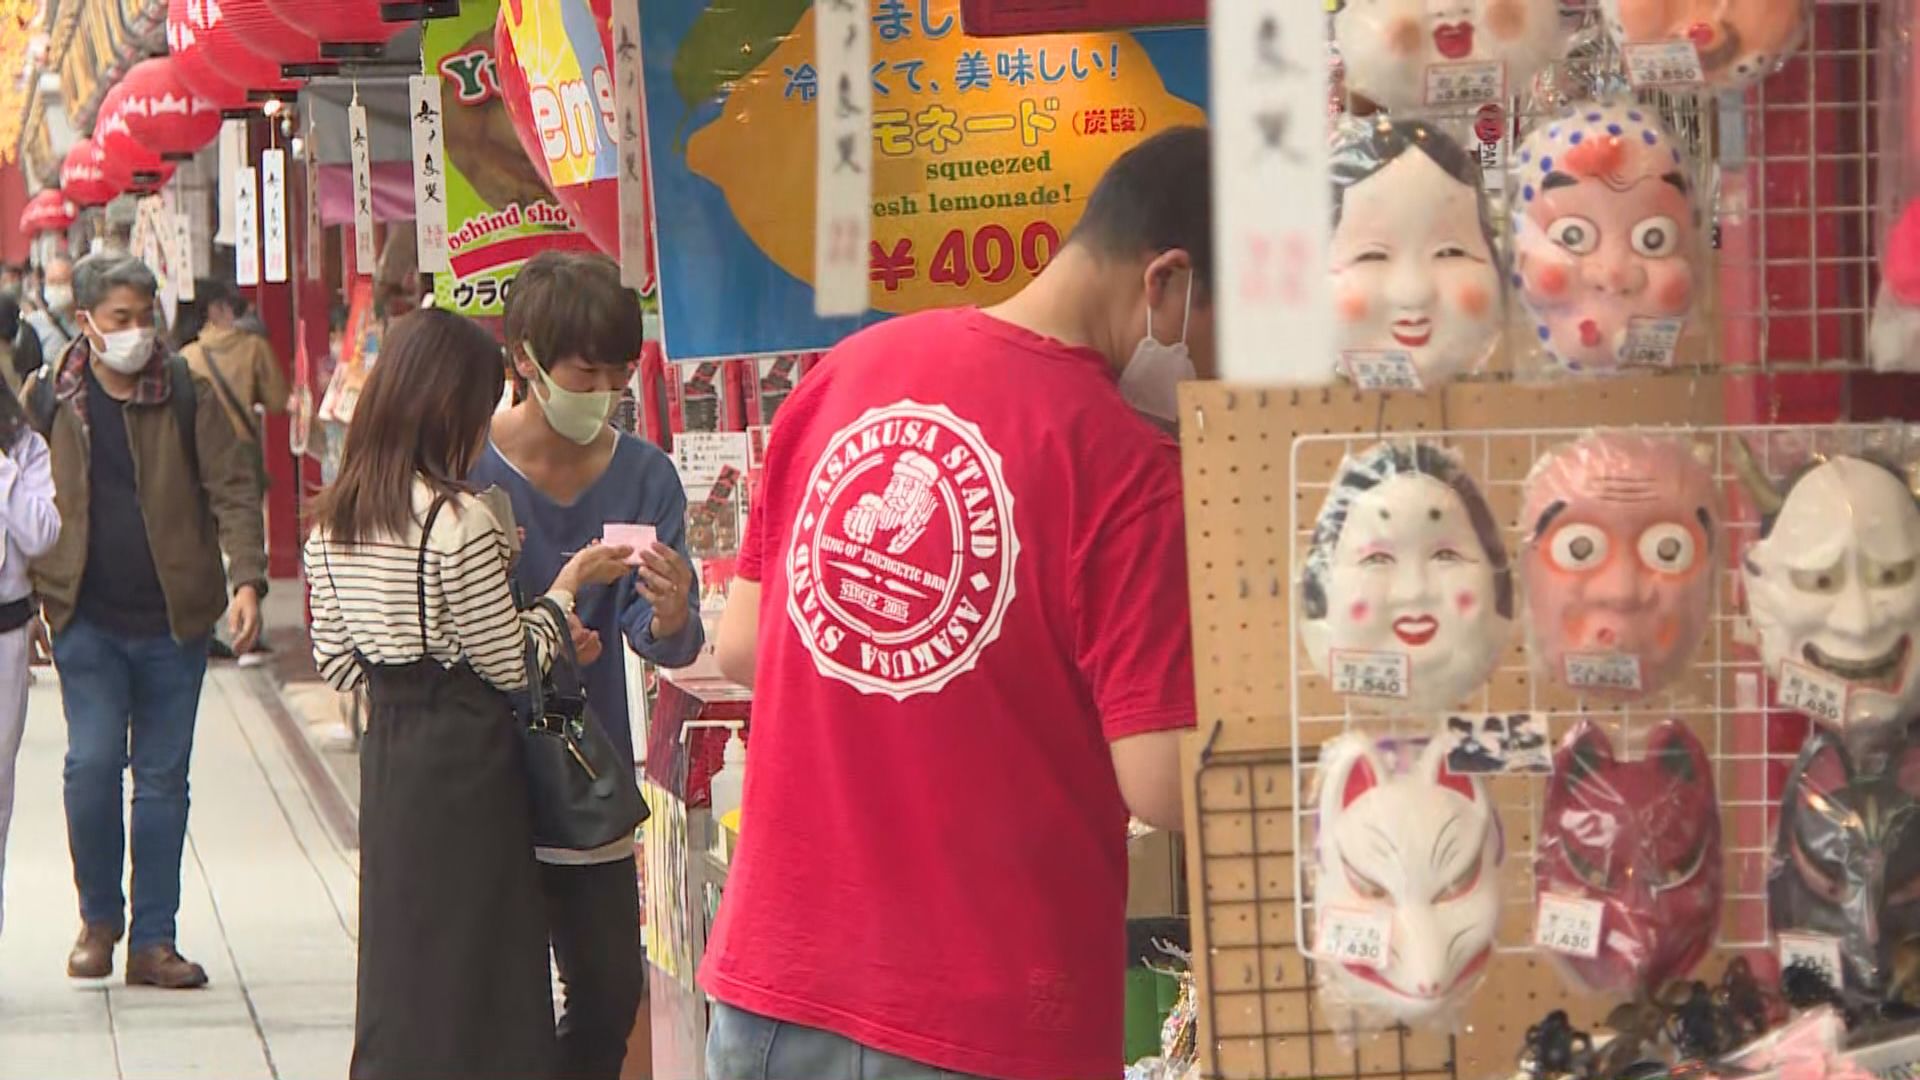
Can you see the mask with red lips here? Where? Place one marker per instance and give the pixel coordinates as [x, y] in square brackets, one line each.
[1739, 41]
[1388, 46]
[1642, 838]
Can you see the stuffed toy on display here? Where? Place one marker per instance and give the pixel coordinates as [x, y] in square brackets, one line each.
[1406, 580]
[1417, 847]
[1406, 55]
[1739, 42]
[1847, 858]
[1620, 561]
[1832, 589]
[1894, 340]
[1642, 837]
[1414, 270]
[1606, 228]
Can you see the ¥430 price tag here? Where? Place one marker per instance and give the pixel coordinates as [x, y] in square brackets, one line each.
[1818, 951]
[1603, 671]
[1354, 936]
[1813, 692]
[1652, 342]
[1569, 925]
[1381, 369]
[1371, 674]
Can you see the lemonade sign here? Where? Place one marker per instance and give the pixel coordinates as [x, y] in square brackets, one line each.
[985, 151]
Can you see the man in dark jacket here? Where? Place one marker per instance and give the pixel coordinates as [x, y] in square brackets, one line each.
[150, 491]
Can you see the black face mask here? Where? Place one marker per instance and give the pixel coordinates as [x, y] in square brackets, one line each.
[1847, 859]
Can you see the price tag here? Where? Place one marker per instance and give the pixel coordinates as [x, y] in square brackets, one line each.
[1468, 82]
[1569, 926]
[1354, 936]
[1651, 342]
[1382, 369]
[1372, 674]
[1807, 690]
[1818, 951]
[1603, 671]
[1664, 63]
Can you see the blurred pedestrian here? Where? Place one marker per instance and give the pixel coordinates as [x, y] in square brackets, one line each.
[53, 321]
[29, 524]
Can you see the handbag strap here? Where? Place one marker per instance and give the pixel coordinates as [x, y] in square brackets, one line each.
[563, 672]
[420, 579]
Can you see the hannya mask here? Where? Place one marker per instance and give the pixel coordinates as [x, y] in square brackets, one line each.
[1619, 564]
[1847, 859]
[1413, 263]
[1832, 585]
[1407, 560]
[1604, 232]
[1642, 838]
[1739, 41]
[1424, 845]
[1389, 45]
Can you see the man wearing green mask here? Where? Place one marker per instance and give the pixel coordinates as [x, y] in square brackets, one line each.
[573, 336]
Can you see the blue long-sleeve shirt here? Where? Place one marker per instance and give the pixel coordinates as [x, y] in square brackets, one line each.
[640, 487]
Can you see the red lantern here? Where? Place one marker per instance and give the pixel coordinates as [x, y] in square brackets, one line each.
[346, 29]
[217, 37]
[196, 67]
[82, 180]
[260, 27]
[128, 164]
[162, 114]
[48, 211]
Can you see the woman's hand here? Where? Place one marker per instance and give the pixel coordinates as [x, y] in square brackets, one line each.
[595, 564]
[586, 643]
[666, 581]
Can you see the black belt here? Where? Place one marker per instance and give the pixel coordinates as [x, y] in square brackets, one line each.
[15, 615]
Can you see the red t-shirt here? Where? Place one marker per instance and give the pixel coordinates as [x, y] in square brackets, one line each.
[973, 577]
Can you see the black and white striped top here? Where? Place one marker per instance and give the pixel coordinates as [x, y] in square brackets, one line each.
[366, 599]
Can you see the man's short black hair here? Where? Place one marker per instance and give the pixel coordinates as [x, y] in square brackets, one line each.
[1156, 198]
[210, 291]
[573, 304]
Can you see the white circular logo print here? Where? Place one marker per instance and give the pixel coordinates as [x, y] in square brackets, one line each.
[901, 567]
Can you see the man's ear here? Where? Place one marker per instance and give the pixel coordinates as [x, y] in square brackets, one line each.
[1166, 277]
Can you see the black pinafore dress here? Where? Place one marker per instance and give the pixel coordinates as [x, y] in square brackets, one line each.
[453, 975]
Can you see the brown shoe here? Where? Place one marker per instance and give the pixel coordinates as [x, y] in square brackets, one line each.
[164, 967]
[92, 955]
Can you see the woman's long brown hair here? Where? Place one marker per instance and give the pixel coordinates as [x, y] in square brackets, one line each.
[423, 413]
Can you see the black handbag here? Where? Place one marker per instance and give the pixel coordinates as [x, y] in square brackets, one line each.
[583, 795]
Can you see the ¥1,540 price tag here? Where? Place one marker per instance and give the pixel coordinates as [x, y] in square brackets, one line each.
[1381, 369]
[1815, 693]
[1817, 951]
[1603, 671]
[1569, 925]
[1371, 674]
[1354, 936]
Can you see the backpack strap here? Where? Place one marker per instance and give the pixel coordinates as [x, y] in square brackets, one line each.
[186, 409]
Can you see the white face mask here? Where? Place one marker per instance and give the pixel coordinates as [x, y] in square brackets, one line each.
[578, 416]
[126, 351]
[58, 297]
[1152, 377]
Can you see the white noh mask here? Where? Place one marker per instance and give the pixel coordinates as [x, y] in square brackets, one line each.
[1395, 50]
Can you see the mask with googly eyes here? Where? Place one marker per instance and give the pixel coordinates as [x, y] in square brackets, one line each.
[1605, 235]
[1394, 50]
[1740, 42]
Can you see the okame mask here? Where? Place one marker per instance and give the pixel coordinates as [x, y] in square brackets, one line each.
[1396, 51]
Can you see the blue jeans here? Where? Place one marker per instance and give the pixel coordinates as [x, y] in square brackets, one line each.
[128, 700]
[746, 1046]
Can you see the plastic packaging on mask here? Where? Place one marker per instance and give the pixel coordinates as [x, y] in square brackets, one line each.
[1606, 238]
[1641, 838]
[1445, 55]
[1407, 598]
[1894, 340]
[1621, 553]
[1407, 863]
[1833, 591]
[1739, 42]
[1416, 276]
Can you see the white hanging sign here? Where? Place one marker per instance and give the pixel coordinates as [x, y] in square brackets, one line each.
[1269, 129]
[314, 229]
[363, 253]
[635, 269]
[843, 165]
[429, 174]
[246, 243]
[273, 189]
[233, 155]
[182, 226]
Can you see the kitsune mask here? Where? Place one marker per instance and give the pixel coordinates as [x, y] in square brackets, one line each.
[1739, 41]
[1832, 583]
[1424, 845]
[1604, 231]
[1620, 555]
[1388, 45]
[1643, 838]
[1847, 859]
[1407, 559]
[1413, 263]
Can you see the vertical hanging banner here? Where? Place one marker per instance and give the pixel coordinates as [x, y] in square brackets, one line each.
[1270, 87]
[273, 193]
[246, 227]
[364, 255]
[429, 174]
[233, 155]
[636, 205]
[183, 251]
[313, 232]
[843, 160]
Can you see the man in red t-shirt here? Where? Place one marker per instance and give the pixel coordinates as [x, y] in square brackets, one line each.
[962, 605]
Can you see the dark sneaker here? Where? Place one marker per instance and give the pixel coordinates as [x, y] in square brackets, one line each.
[92, 955]
[164, 967]
[219, 650]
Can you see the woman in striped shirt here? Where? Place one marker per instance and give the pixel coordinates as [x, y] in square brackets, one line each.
[410, 595]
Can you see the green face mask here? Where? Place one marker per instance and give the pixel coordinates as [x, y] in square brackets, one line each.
[575, 415]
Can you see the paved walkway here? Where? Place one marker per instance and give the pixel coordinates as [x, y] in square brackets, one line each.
[268, 906]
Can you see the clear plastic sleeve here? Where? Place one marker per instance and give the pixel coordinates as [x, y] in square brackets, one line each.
[1413, 55]
[1407, 858]
[1416, 274]
[1607, 238]
[1407, 598]
[1622, 535]
[1641, 839]
[1894, 341]
[1738, 42]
